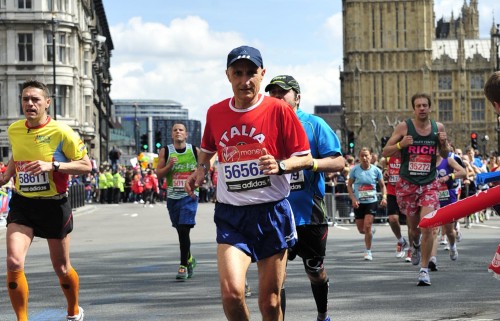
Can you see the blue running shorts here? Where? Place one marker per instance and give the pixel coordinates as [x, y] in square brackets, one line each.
[182, 211]
[260, 230]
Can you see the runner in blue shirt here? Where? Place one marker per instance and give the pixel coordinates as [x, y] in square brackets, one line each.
[362, 188]
[308, 191]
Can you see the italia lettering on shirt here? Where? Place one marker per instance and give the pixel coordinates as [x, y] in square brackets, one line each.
[238, 131]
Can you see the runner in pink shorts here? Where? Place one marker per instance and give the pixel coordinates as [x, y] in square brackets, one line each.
[411, 197]
[419, 140]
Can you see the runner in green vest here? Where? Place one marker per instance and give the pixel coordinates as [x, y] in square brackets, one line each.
[177, 162]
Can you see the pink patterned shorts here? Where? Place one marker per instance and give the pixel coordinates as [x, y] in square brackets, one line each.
[411, 197]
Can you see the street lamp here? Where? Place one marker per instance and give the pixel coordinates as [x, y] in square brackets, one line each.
[54, 91]
[136, 130]
[496, 39]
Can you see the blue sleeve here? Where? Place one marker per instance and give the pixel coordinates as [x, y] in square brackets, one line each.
[328, 142]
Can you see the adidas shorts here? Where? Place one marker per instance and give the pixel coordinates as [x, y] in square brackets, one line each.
[260, 230]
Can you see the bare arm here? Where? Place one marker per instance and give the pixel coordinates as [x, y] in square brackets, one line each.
[350, 190]
[398, 136]
[269, 165]
[330, 164]
[163, 167]
[383, 189]
[460, 172]
[444, 147]
[196, 178]
[76, 167]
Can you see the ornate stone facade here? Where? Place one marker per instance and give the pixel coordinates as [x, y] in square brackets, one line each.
[392, 49]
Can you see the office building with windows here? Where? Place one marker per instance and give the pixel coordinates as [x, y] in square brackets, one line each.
[146, 122]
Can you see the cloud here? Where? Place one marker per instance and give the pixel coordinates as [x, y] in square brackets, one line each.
[185, 60]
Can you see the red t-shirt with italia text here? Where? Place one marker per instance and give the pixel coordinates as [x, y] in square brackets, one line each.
[238, 136]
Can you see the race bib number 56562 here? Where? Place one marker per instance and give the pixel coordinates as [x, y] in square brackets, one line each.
[241, 169]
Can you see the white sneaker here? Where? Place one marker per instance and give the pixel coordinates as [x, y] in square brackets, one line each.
[151, 205]
[368, 256]
[136, 202]
[402, 248]
[459, 233]
[423, 278]
[141, 201]
[78, 317]
[408, 256]
[453, 254]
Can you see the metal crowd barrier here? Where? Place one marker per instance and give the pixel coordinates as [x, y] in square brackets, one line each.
[76, 195]
[339, 207]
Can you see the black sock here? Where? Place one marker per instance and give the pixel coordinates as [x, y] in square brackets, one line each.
[283, 302]
[320, 293]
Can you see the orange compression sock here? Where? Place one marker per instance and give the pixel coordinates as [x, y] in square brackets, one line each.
[18, 293]
[70, 286]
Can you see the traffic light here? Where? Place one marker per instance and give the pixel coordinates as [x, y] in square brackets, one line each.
[473, 140]
[383, 141]
[158, 139]
[144, 142]
[350, 142]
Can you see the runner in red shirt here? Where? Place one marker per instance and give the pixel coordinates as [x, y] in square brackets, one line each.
[259, 141]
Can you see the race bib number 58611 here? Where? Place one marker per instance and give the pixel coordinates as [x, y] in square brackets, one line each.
[33, 183]
[29, 183]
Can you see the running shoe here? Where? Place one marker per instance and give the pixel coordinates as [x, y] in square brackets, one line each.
[415, 255]
[433, 265]
[423, 278]
[78, 317]
[248, 290]
[368, 256]
[191, 266]
[457, 229]
[494, 266]
[408, 256]
[447, 247]
[443, 240]
[453, 254]
[327, 319]
[182, 273]
[401, 249]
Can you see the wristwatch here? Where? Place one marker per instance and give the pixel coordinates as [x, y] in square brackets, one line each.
[55, 166]
[204, 166]
[281, 167]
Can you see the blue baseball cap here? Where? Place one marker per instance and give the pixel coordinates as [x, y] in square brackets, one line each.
[245, 52]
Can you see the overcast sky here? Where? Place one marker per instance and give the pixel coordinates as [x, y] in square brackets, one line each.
[171, 49]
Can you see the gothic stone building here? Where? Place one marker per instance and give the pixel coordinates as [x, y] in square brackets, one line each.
[393, 49]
